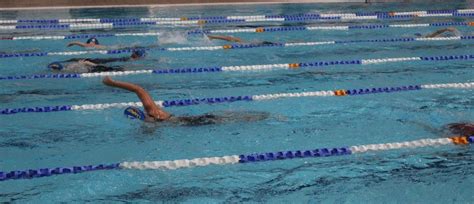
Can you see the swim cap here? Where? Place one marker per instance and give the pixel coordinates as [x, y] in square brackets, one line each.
[93, 41]
[134, 113]
[418, 34]
[267, 43]
[55, 66]
[139, 53]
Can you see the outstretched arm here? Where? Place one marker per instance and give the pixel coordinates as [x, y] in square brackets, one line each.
[81, 44]
[226, 38]
[441, 31]
[151, 108]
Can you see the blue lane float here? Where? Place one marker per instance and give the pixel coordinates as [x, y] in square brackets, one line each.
[268, 156]
[46, 172]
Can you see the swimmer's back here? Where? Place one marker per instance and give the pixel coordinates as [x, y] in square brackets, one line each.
[219, 118]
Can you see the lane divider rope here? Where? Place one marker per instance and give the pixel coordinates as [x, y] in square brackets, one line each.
[245, 30]
[252, 18]
[239, 159]
[230, 99]
[242, 68]
[230, 47]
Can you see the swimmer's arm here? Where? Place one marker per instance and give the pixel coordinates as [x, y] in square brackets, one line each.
[226, 38]
[441, 31]
[150, 106]
[99, 46]
[81, 44]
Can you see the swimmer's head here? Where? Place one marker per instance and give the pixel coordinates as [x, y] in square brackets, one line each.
[56, 66]
[267, 43]
[418, 35]
[134, 113]
[138, 54]
[92, 41]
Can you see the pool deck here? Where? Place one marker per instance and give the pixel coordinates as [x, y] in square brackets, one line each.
[49, 4]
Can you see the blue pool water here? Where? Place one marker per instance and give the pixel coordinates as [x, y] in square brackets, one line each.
[424, 175]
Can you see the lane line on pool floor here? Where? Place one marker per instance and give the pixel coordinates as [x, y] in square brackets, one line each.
[230, 99]
[239, 159]
[118, 22]
[232, 46]
[248, 30]
[243, 68]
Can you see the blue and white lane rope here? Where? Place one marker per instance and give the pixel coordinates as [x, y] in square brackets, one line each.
[231, 46]
[243, 68]
[253, 18]
[245, 30]
[230, 99]
[238, 159]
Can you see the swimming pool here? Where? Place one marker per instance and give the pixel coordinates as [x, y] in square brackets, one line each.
[102, 135]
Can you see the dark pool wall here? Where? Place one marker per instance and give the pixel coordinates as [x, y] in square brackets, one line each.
[72, 3]
[14, 4]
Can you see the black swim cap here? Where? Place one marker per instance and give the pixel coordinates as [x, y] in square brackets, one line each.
[139, 53]
[92, 40]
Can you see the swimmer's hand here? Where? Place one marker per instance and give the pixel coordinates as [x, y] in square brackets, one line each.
[108, 81]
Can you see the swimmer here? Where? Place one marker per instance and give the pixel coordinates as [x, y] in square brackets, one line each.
[136, 55]
[451, 129]
[237, 40]
[154, 113]
[464, 129]
[91, 42]
[226, 38]
[84, 66]
[448, 32]
[91, 65]
[94, 43]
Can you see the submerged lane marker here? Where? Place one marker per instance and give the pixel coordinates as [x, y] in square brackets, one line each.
[238, 159]
[230, 99]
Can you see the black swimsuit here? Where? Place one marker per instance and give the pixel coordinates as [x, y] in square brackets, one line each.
[206, 119]
[103, 68]
[107, 60]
